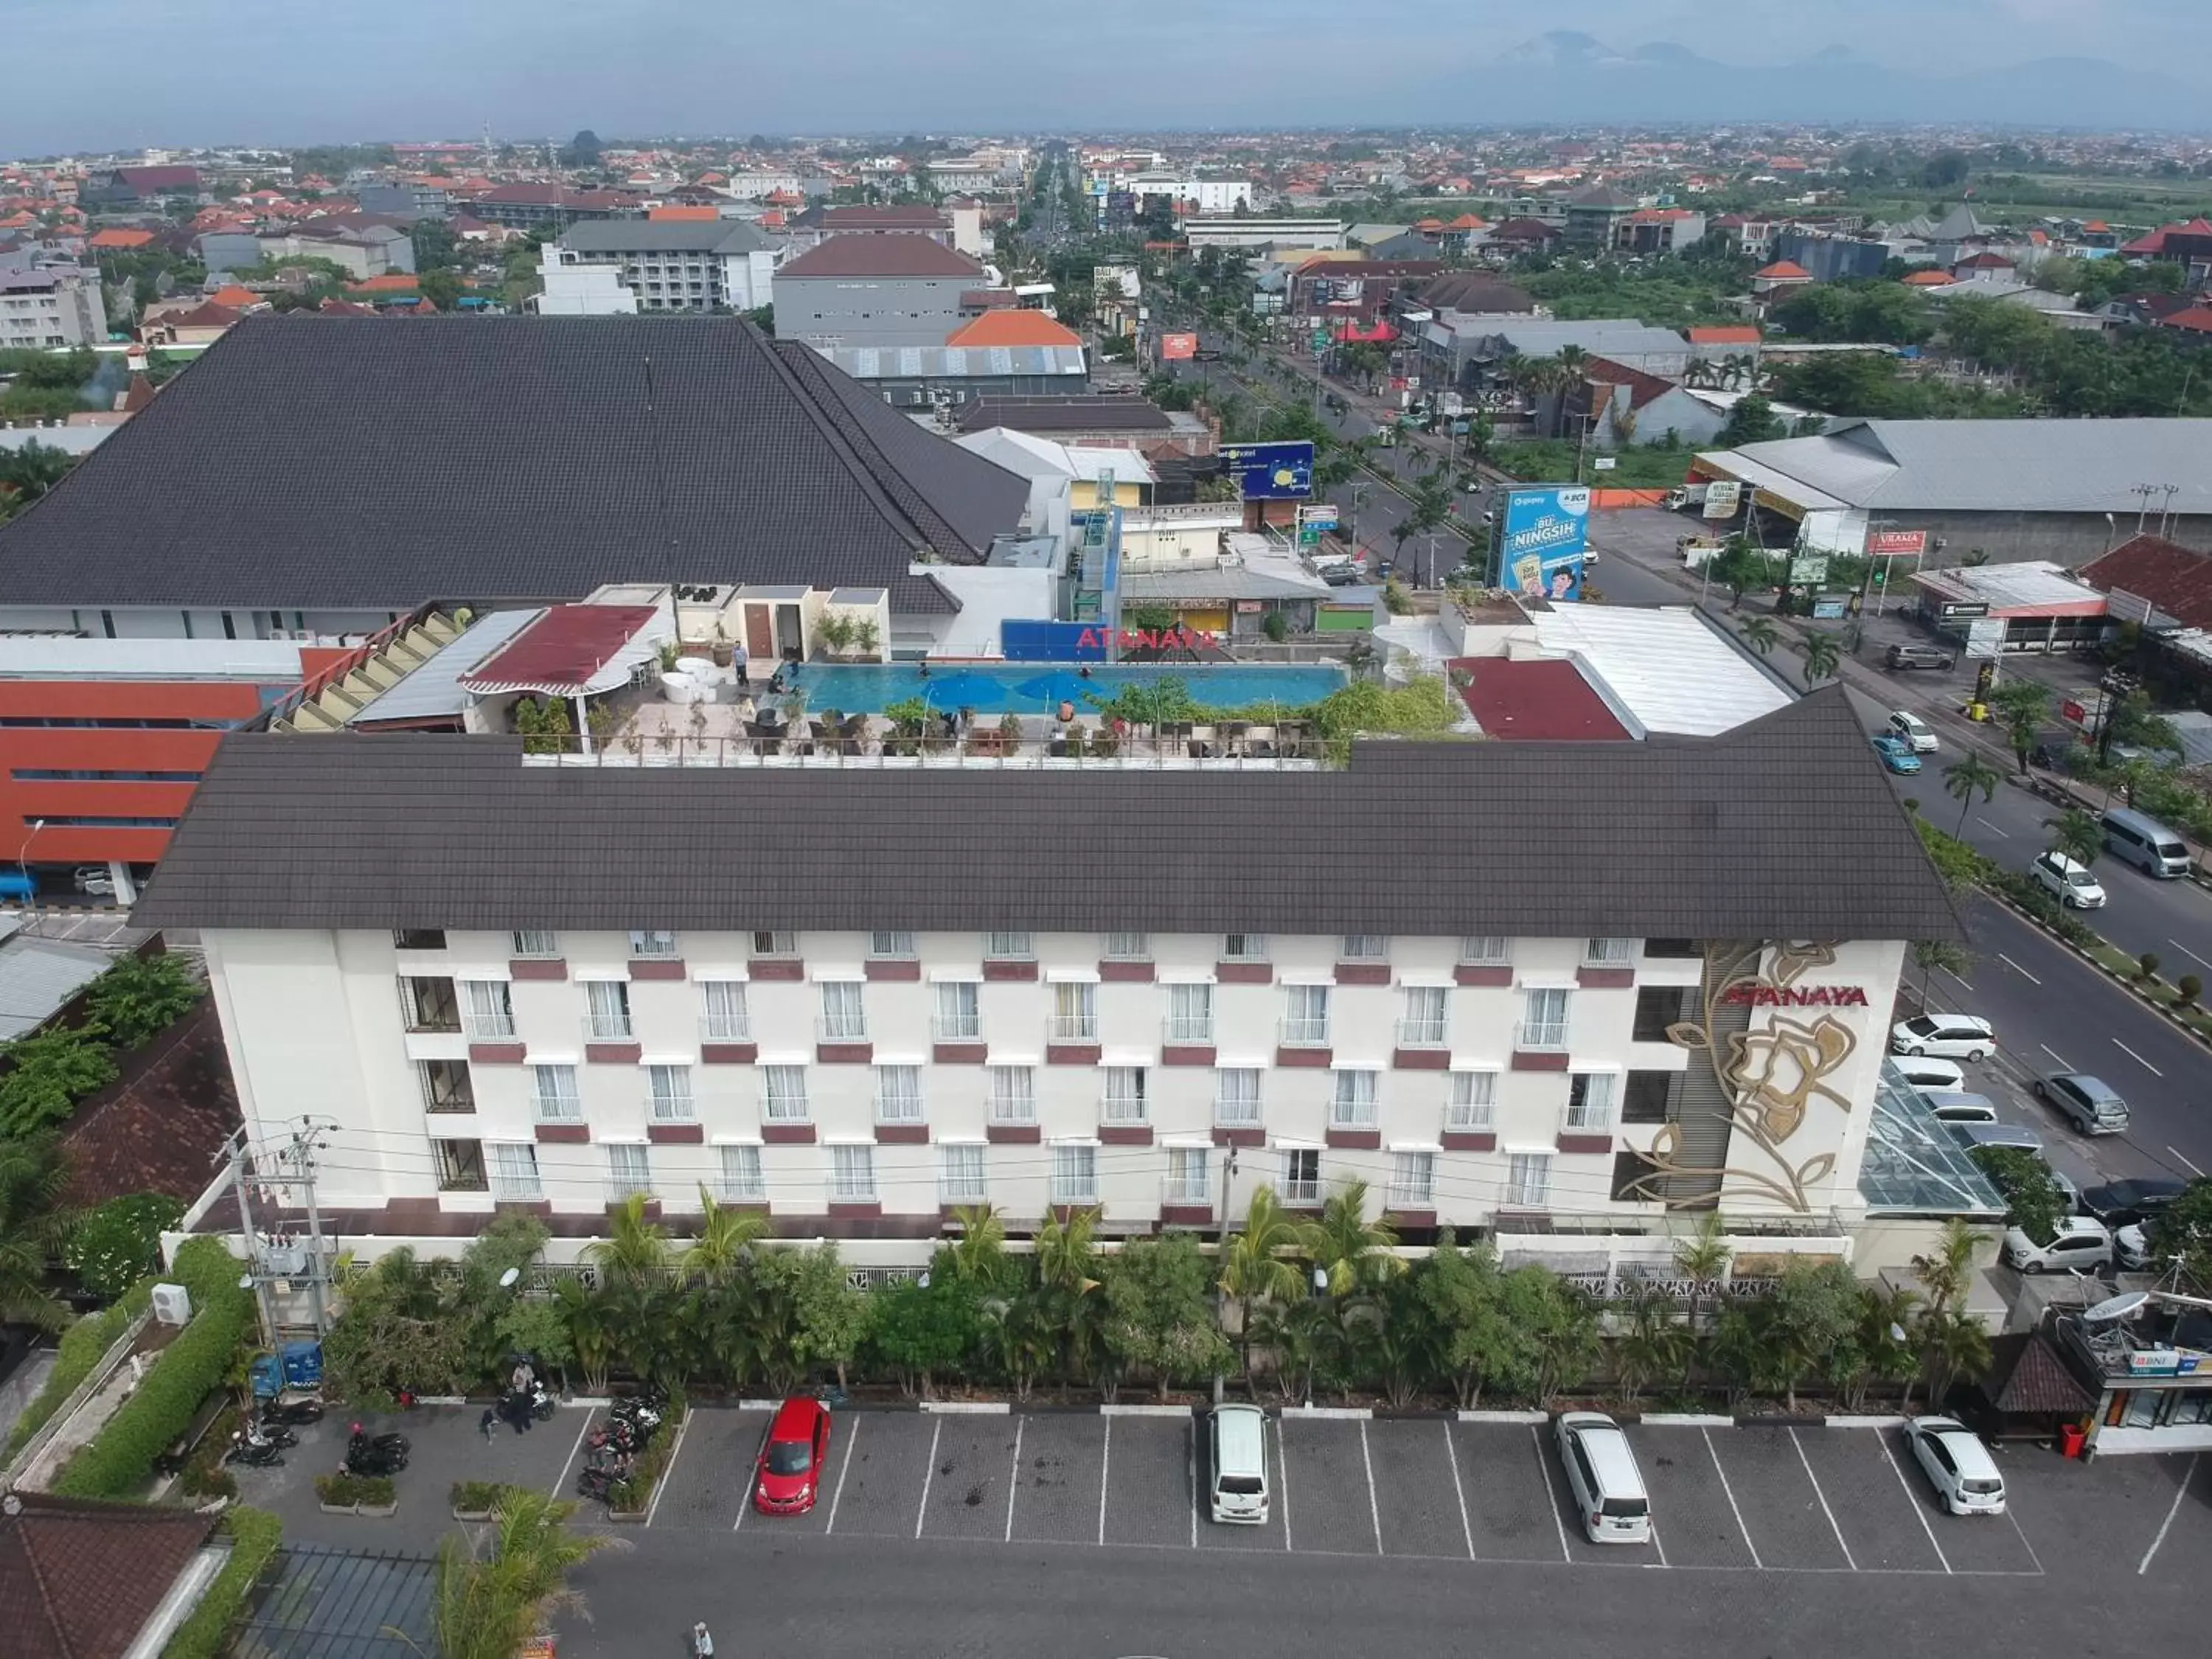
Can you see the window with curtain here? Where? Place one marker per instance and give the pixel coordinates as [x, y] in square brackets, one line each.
[1422, 1023]
[1471, 1103]
[1529, 1180]
[960, 1178]
[1590, 1096]
[844, 1019]
[851, 1174]
[898, 1094]
[668, 1092]
[783, 1090]
[1236, 1096]
[1543, 1018]
[514, 1171]
[742, 1183]
[608, 1003]
[1191, 1013]
[959, 1017]
[1352, 1106]
[1123, 1101]
[553, 1094]
[1013, 1094]
[490, 1011]
[1074, 1173]
[629, 1169]
[722, 1011]
[1413, 1181]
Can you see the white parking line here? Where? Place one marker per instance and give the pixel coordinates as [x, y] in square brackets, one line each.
[561, 1481]
[2137, 1058]
[1992, 828]
[1374, 1509]
[1918, 1509]
[1014, 1485]
[1105, 1468]
[2188, 1478]
[2055, 1055]
[838, 1496]
[2186, 951]
[1459, 1491]
[1962, 984]
[1544, 1475]
[2017, 968]
[668, 1468]
[2186, 1165]
[1823, 1497]
[1282, 1478]
[928, 1469]
[2024, 1544]
[1729, 1491]
[1190, 1454]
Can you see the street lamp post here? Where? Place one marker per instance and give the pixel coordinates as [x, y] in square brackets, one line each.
[23, 866]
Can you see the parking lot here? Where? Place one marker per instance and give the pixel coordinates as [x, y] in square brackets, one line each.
[1753, 1499]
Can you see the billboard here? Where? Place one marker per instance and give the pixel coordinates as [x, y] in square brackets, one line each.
[1896, 543]
[1178, 347]
[1546, 531]
[1722, 497]
[1271, 472]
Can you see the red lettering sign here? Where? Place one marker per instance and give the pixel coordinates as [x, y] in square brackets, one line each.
[1797, 996]
[1147, 639]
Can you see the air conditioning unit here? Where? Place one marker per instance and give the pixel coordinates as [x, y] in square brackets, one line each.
[173, 1304]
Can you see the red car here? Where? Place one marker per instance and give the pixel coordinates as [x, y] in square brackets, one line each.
[789, 1471]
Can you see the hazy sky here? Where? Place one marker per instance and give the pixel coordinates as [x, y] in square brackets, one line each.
[99, 74]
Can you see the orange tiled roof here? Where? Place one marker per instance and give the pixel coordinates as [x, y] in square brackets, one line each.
[1786, 270]
[234, 296]
[1930, 279]
[116, 237]
[392, 281]
[1724, 334]
[1014, 327]
[682, 212]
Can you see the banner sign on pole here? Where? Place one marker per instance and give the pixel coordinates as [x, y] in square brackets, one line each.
[1722, 497]
[1271, 472]
[1896, 543]
[1178, 348]
[1545, 532]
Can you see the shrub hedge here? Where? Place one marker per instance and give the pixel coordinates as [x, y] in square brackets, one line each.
[118, 1460]
[79, 1351]
[254, 1537]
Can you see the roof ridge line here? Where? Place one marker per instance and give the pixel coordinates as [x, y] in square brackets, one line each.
[847, 450]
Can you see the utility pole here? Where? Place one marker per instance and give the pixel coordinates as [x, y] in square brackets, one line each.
[1220, 1251]
[237, 1152]
[305, 1145]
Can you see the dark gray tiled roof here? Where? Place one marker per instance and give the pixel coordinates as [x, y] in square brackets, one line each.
[313, 462]
[1097, 413]
[1785, 827]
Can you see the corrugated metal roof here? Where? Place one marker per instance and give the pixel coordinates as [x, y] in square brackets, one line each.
[433, 690]
[37, 975]
[953, 362]
[1667, 666]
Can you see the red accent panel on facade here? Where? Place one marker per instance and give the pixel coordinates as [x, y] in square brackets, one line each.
[656, 967]
[728, 1054]
[1420, 1060]
[1466, 974]
[1365, 1140]
[537, 967]
[1403, 1220]
[787, 1134]
[1014, 1135]
[1072, 1053]
[1189, 1053]
[902, 1134]
[892, 968]
[676, 1134]
[1240, 1137]
[1527, 1060]
[1605, 979]
[844, 1053]
[777, 967]
[1186, 1215]
[565, 1135]
[1584, 1143]
[496, 1054]
[1244, 972]
[522, 1206]
[957, 1054]
[1363, 973]
[1469, 1140]
[1124, 973]
[614, 1054]
[1010, 970]
[1125, 1134]
[1306, 1057]
[841, 1209]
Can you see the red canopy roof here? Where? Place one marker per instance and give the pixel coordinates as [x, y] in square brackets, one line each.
[561, 652]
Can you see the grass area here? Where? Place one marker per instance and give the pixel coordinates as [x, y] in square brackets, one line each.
[1641, 466]
[2119, 962]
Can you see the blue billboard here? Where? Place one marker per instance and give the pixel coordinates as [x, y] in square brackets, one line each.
[1271, 472]
[1545, 532]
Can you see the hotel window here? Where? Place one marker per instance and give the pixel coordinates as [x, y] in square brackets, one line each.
[1307, 1023]
[413, 938]
[1648, 1097]
[668, 1093]
[514, 1172]
[960, 1178]
[1352, 1106]
[1187, 1178]
[844, 1019]
[553, 1094]
[783, 1094]
[1074, 1173]
[741, 1182]
[1013, 1094]
[1413, 1181]
[1632, 1179]
[1609, 952]
[959, 1017]
[1301, 1175]
[607, 1001]
[1244, 947]
[852, 1174]
[535, 944]
[1590, 1096]
[1191, 1013]
[1236, 1096]
[629, 1171]
[652, 945]
[898, 1094]
[1470, 1104]
[1658, 1006]
[431, 1005]
[1363, 947]
[776, 944]
[1543, 1018]
[489, 1013]
[1009, 947]
[1123, 1101]
[1485, 949]
[447, 1086]
[460, 1165]
[1129, 947]
[891, 947]
[722, 1011]
[1529, 1180]
[1422, 1024]
[1075, 1012]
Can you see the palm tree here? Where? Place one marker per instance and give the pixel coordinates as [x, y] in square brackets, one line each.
[1966, 777]
[1701, 1258]
[1255, 1264]
[1067, 1271]
[2020, 705]
[1821, 656]
[1931, 954]
[1956, 1344]
[491, 1601]
[635, 1251]
[1885, 1346]
[1352, 1252]
[1761, 635]
[727, 1237]
[979, 1255]
[30, 1227]
[1947, 1269]
[2077, 834]
[1654, 1344]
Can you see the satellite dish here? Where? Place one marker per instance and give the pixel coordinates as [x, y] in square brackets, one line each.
[506, 1280]
[2122, 1306]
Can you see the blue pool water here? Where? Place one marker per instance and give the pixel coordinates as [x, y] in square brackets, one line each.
[1038, 688]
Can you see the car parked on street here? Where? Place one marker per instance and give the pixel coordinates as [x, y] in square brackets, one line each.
[2090, 1104]
[1949, 1036]
[788, 1475]
[1957, 1464]
[2067, 881]
[1926, 1075]
[2131, 1248]
[2079, 1245]
[2137, 1198]
[1918, 656]
[1904, 723]
[1896, 754]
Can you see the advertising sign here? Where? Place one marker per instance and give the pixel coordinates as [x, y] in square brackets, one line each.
[1896, 543]
[1604, 464]
[1722, 497]
[1808, 569]
[1545, 532]
[1985, 636]
[1271, 472]
[1178, 348]
[2072, 710]
[1322, 514]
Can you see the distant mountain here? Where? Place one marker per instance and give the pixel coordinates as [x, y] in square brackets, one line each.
[1569, 77]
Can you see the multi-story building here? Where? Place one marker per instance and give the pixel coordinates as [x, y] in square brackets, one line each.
[46, 307]
[871, 290]
[525, 207]
[661, 264]
[1595, 984]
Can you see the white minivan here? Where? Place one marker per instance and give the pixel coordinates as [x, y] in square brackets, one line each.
[1602, 1472]
[1238, 1439]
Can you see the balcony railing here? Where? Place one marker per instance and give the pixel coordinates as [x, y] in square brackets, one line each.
[1351, 1115]
[517, 1189]
[1301, 1192]
[738, 1192]
[725, 1027]
[623, 1188]
[672, 1109]
[558, 1109]
[952, 1192]
[1075, 1189]
[606, 1028]
[898, 1108]
[1073, 1028]
[1304, 1031]
[956, 1028]
[1420, 1034]
[1196, 1030]
[486, 1027]
[784, 1109]
[1469, 1119]
[1013, 1108]
[1121, 1109]
[1236, 1113]
[1540, 1036]
[1188, 1192]
[840, 1028]
[1412, 1198]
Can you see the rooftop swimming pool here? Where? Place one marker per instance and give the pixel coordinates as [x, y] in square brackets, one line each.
[1040, 687]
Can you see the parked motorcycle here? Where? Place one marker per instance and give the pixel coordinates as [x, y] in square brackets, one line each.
[269, 1434]
[291, 1411]
[387, 1454]
[254, 1454]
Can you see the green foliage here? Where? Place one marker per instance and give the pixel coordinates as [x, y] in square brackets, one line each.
[2033, 1202]
[2184, 1228]
[1751, 419]
[1874, 313]
[1422, 708]
[118, 1460]
[499, 1588]
[918, 1331]
[1806, 1328]
[545, 724]
[31, 1179]
[254, 1537]
[29, 472]
[1160, 1312]
[1276, 627]
[79, 1351]
[1637, 466]
[1662, 292]
[342, 1488]
[2078, 833]
[136, 996]
[120, 1241]
[49, 1072]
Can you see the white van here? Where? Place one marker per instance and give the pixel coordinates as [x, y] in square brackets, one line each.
[1238, 1437]
[2146, 843]
[1602, 1472]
